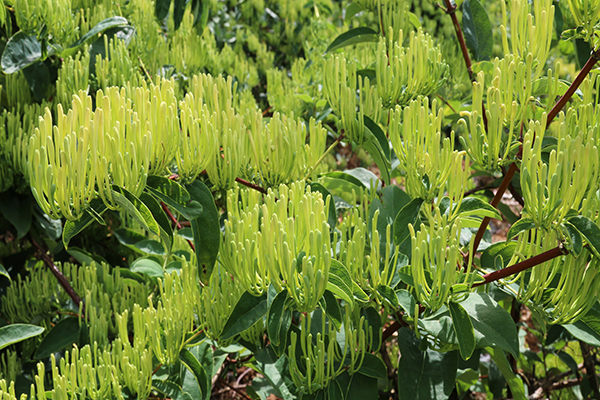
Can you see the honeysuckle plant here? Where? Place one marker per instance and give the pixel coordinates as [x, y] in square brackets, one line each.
[170, 183]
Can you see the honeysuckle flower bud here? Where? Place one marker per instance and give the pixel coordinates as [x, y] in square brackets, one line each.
[436, 261]
[284, 241]
[117, 68]
[403, 73]
[73, 76]
[429, 161]
[530, 33]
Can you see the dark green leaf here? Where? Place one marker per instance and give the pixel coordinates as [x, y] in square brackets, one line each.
[178, 11]
[589, 230]
[587, 329]
[206, 229]
[135, 208]
[379, 135]
[353, 36]
[174, 195]
[72, 228]
[373, 320]
[473, 206]
[332, 309]
[373, 366]
[463, 329]
[407, 215]
[388, 296]
[275, 316]
[516, 386]
[406, 301]
[20, 51]
[200, 13]
[492, 324]
[192, 363]
[3, 272]
[277, 373]
[361, 387]
[161, 8]
[38, 78]
[147, 267]
[426, 375]
[128, 237]
[359, 294]
[508, 213]
[17, 210]
[151, 246]
[111, 22]
[352, 9]
[339, 281]
[334, 391]
[522, 225]
[332, 215]
[477, 30]
[575, 239]
[14, 333]
[167, 388]
[247, 311]
[64, 334]
[166, 232]
[51, 227]
[375, 150]
[498, 255]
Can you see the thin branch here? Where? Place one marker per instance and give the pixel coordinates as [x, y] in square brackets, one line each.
[58, 274]
[333, 145]
[238, 391]
[594, 57]
[523, 265]
[175, 221]
[251, 185]
[495, 201]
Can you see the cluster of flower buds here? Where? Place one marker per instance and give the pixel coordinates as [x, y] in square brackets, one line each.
[436, 260]
[586, 14]
[530, 31]
[73, 76]
[55, 16]
[431, 164]
[318, 358]
[403, 73]
[283, 241]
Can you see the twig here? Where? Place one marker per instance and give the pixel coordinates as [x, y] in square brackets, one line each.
[59, 276]
[234, 388]
[522, 266]
[333, 145]
[251, 185]
[589, 362]
[175, 221]
[594, 57]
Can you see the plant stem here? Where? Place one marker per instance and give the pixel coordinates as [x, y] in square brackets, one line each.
[523, 265]
[589, 362]
[59, 276]
[594, 57]
[251, 185]
[174, 220]
[329, 150]
[495, 201]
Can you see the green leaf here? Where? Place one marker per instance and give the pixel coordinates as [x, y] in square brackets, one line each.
[192, 363]
[477, 30]
[166, 232]
[342, 184]
[334, 391]
[463, 329]
[151, 246]
[332, 309]
[426, 375]
[380, 136]
[147, 267]
[352, 9]
[522, 225]
[575, 238]
[516, 386]
[72, 228]
[3, 272]
[20, 51]
[178, 11]
[206, 229]
[128, 237]
[373, 147]
[167, 388]
[473, 206]
[247, 311]
[388, 296]
[94, 33]
[353, 36]
[275, 317]
[373, 321]
[587, 329]
[589, 230]
[359, 294]
[407, 215]
[498, 255]
[14, 333]
[161, 8]
[332, 215]
[508, 213]
[406, 301]
[135, 208]
[38, 78]
[64, 334]
[373, 366]
[492, 324]
[17, 210]
[339, 280]
[200, 13]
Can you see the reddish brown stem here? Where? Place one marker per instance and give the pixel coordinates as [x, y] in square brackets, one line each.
[495, 201]
[59, 276]
[175, 221]
[594, 57]
[251, 185]
[523, 265]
